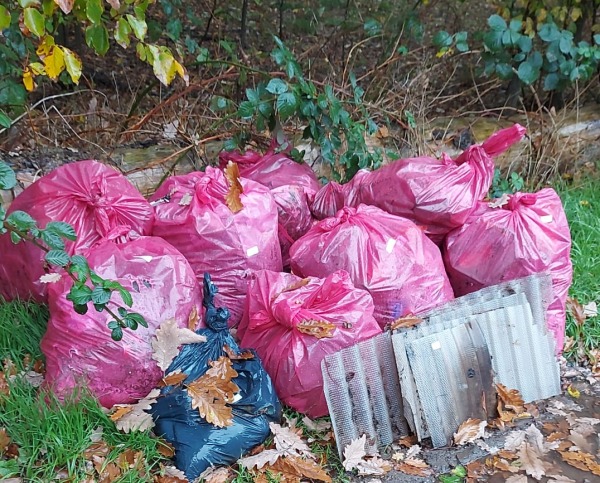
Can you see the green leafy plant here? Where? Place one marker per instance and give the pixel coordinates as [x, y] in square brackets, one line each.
[87, 286]
[339, 134]
[502, 185]
[456, 475]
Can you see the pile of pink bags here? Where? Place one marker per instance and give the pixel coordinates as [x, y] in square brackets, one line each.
[78, 348]
[192, 214]
[529, 234]
[385, 254]
[90, 196]
[294, 323]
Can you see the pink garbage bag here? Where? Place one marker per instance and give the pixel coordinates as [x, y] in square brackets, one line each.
[385, 254]
[79, 349]
[273, 169]
[92, 197]
[332, 197]
[529, 234]
[191, 213]
[281, 323]
[295, 218]
[438, 194]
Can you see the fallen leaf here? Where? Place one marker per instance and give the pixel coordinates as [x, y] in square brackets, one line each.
[216, 475]
[413, 451]
[242, 356]
[168, 338]
[258, 461]
[294, 286]
[502, 465]
[582, 461]
[469, 431]
[499, 202]
[107, 472]
[374, 466]
[137, 419]
[576, 310]
[297, 469]
[193, 319]
[4, 388]
[517, 479]
[165, 448]
[317, 328]
[417, 463]
[120, 411]
[4, 440]
[413, 470]
[173, 379]
[476, 469]
[96, 449]
[530, 461]
[317, 426]
[581, 442]
[560, 479]
[50, 278]
[405, 322]
[354, 453]
[211, 392]
[186, 199]
[96, 435]
[590, 309]
[573, 392]
[408, 441]
[288, 442]
[511, 398]
[233, 196]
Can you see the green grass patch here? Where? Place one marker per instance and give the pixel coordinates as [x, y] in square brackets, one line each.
[582, 206]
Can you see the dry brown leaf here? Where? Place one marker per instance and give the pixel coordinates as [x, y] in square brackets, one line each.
[289, 442]
[297, 469]
[583, 461]
[416, 463]
[65, 5]
[165, 448]
[354, 453]
[4, 389]
[476, 469]
[116, 4]
[560, 479]
[408, 441]
[294, 286]
[511, 398]
[405, 322]
[4, 440]
[576, 310]
[317, 328]
[173, 379]
[216, 475]
[193, 319]
[96, 449]
[590, 309]
[233, 196]
[120, 411]
[168, 338]
[502, 465]
[531, 462]
[242, 356]
[258, 461]
[50, 278]
[211, 393]
[137, 419]
[107, 472]
[412, 470]
[556, 436]
[517, 479]
[582, 443]
[374, 466]
[507, 455]
[469, 431]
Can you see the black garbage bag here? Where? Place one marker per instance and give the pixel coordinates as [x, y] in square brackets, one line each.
[199, 444]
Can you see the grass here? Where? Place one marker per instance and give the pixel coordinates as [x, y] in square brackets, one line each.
[582, 206]
[51, 435]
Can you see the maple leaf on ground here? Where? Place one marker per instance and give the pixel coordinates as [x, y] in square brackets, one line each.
[469, 431]
[167, 340]
[211, 393]
[317, 328]
[136, 419]
[354, 453]
[233, 196]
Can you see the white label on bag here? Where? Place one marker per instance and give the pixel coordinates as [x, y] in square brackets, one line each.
[389, 246]
[252, 251]
[146, 258]
[436, 345]
[547, 219]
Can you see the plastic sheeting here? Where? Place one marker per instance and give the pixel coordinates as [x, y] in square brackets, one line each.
[437, 194]
[199, 444]
[385, 254]
[282, 311]
[529, 234]
[92, 197]
[191, 213]
[79, 349]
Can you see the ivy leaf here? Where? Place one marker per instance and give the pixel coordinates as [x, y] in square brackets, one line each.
[60, 258]
[277, 86]
[62, 229]
[8, 178]
[286, 104]
[34, 21]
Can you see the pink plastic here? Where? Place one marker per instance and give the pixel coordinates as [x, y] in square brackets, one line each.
[89, 195]
[385, 254]
[295, 218]
[79, 349]
[292, 358]
[328, 201]
[272, 169]
[436, 194]
[528, 235]
[198, 222]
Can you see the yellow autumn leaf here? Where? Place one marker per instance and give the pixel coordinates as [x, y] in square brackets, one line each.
[28, 79]
[54, 63]
[573, 392]
[73, 64]
[542, 14]
[45, 46]
[182, 72]
[37, 68]
[575, 13]
[529, 27]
